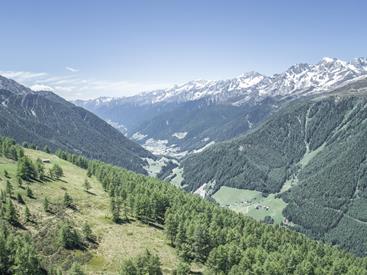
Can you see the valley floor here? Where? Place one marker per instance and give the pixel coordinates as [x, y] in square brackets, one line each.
[251, 203]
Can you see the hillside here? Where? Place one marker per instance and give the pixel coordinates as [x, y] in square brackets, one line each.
[114, 243]
[43, 118]
[152, 215]
[312, 155]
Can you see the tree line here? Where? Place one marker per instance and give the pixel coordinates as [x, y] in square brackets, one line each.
[226, 242]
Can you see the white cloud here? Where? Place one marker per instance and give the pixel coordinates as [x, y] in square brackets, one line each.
[22, 75]
[41, 87]
[73, 70]
[72, 87]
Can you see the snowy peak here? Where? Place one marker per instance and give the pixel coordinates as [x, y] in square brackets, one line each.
[307, 79]
[300, 79]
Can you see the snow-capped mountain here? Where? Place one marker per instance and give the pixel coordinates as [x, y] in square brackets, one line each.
[300, 79]
[199, 108]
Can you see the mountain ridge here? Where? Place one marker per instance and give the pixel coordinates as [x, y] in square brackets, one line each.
[311, 154]
[43, 118]
[297, 79]
[199, 108]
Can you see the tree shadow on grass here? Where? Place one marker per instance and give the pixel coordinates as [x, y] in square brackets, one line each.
[90, 193]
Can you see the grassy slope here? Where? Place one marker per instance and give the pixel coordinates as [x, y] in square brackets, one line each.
[245, 201]
[115, 242]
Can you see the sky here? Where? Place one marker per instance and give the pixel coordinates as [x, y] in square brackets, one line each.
[90, 48]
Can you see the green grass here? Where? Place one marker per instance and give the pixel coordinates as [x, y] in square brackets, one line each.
[246, 201]
[115, 242]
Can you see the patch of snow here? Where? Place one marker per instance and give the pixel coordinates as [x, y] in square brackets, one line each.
[299, 80]
[240, 148]
[250, 124]
[203, 148]
[180, 135]
[117, 126]
[328, 59]
[201, 190]
[138, 136]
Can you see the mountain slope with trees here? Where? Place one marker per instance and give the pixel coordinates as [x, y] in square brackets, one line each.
[67, 231]
[320, 146]
[43, 118]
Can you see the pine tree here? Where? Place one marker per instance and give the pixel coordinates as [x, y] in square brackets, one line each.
[115, 209]
[181, 235]
[26, 169]
[29, 192]
[56, 172]
[25, 260]
[46, 149]
[20, 198]
[9, 188]
[171, 227]
[68, 200]
[89, 173]
[11, 214]
[40, 167]
[69, 237]
[46, 205]
[87, 185]
[3, 196]
[20, 182]
[6, 174]
[87, 231]
[27, 214]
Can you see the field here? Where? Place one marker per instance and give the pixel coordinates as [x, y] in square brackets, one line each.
[251, 203]
[115, 242]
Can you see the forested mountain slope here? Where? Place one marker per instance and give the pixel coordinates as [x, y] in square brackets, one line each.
[43, 118]
[49, 223]
[311, 153]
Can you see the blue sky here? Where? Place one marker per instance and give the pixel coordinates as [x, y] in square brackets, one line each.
[86, 49]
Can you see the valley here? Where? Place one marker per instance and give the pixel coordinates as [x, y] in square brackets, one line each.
[183, 137]
[94, 218]
[262, 169]
[251, 203]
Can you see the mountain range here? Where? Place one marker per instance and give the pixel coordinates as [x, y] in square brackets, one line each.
[292, 142]
[289, 148]
[310, 154]
[185, 118]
